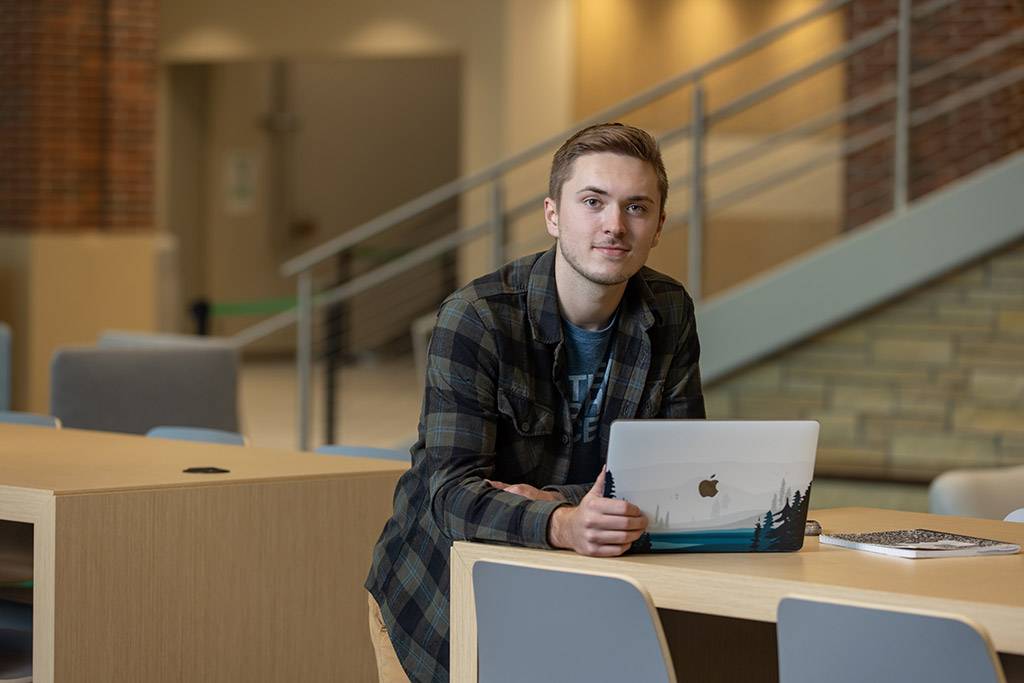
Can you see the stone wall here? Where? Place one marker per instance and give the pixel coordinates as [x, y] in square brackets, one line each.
[931, 381]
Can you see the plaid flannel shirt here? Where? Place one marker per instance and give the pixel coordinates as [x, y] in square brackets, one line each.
[496, 407]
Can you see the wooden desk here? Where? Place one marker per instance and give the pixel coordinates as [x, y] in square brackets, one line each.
[746, 588]
[144, 573]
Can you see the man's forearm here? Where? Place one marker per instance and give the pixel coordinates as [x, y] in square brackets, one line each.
[559, 527]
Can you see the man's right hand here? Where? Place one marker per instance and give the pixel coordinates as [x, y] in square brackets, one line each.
[598, 526]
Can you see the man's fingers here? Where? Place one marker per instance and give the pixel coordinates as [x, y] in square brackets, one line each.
[605, 550]
[617, 523]
[496, 484]
[521, 490]
[614, 506]
[607, 537]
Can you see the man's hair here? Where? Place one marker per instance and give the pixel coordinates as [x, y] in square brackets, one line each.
[616, 138]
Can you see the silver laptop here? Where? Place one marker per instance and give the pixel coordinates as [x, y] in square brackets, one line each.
[714, 486]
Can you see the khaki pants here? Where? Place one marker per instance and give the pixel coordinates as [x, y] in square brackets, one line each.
[388, 668]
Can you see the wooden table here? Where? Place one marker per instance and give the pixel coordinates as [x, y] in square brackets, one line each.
[144, 573]
[727, 602]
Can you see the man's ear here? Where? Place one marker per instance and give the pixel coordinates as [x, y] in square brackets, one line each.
[551, 216]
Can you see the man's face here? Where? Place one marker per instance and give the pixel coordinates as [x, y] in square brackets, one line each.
[608, 217]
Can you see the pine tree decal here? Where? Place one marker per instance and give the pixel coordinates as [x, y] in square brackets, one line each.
[609, 484]
[757, 536]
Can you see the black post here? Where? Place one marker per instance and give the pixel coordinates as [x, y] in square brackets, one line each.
[335, 352]
[200, 310]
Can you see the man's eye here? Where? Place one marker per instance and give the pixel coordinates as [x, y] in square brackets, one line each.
[591, 202]
[636, 208]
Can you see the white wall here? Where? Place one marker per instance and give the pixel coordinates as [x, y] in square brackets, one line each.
[516, 55]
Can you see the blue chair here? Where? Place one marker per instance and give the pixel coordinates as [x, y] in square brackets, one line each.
[364, 452]
[846, 642]
[5, 367]
[536, 624]
[200, 434]
[32, 419]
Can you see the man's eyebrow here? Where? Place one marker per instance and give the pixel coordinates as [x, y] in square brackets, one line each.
[598, 190]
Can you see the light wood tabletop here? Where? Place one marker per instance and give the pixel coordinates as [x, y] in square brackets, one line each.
[68, 461]
[748, 586]
[144, 573]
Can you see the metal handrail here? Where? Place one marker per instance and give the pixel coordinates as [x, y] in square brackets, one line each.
[427, 252]
[457, 187]
[694, 130]
[858, 105]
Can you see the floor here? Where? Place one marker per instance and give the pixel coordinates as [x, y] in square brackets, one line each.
[379, 403]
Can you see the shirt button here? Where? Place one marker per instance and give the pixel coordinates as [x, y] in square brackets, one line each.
[525, 426]
[565, 439]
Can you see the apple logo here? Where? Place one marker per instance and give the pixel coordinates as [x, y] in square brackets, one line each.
[709, 487]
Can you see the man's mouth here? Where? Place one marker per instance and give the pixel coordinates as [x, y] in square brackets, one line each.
[611, 249]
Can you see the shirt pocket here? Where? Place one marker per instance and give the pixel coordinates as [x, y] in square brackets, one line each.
[525, 432]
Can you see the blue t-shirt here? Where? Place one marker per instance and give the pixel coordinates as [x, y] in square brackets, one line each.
[587, 353]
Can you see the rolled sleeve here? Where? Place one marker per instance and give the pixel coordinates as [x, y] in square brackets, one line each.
[573, 493]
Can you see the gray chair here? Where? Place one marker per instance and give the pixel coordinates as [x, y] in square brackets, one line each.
[5, 367]
[199, 434]
[32, 419]
[135, 389]
[364, 452]
[1015, 516]
[847, 643]
[989, 493]
[538, 625]
[131, 339]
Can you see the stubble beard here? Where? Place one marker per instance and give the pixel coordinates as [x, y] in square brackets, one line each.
[576, 265]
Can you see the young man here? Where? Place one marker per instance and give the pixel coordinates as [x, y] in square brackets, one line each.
[527, 369]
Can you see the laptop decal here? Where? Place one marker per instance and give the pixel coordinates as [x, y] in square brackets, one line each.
[705, 486]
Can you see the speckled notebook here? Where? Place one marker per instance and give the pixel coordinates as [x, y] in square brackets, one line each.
[920, 543]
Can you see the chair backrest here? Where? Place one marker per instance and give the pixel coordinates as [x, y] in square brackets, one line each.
[5, 367]
[197, 434]
[988, 493]
[1015, 516]
[538, 624]
[31, 419]
[133, 339]
[846, 642]
[364, 452]
[135, 389]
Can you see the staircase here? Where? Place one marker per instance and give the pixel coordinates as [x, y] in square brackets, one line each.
[919, 227]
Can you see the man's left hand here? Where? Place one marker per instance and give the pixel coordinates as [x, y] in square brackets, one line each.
[525, 490]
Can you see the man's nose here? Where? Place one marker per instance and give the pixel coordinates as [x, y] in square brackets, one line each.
[615, 223]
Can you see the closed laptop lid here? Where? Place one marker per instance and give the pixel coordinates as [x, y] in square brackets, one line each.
[715, 486]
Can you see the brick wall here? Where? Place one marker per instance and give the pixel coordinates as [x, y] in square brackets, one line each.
[77, 108]
[954, 144]
[929, 382]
